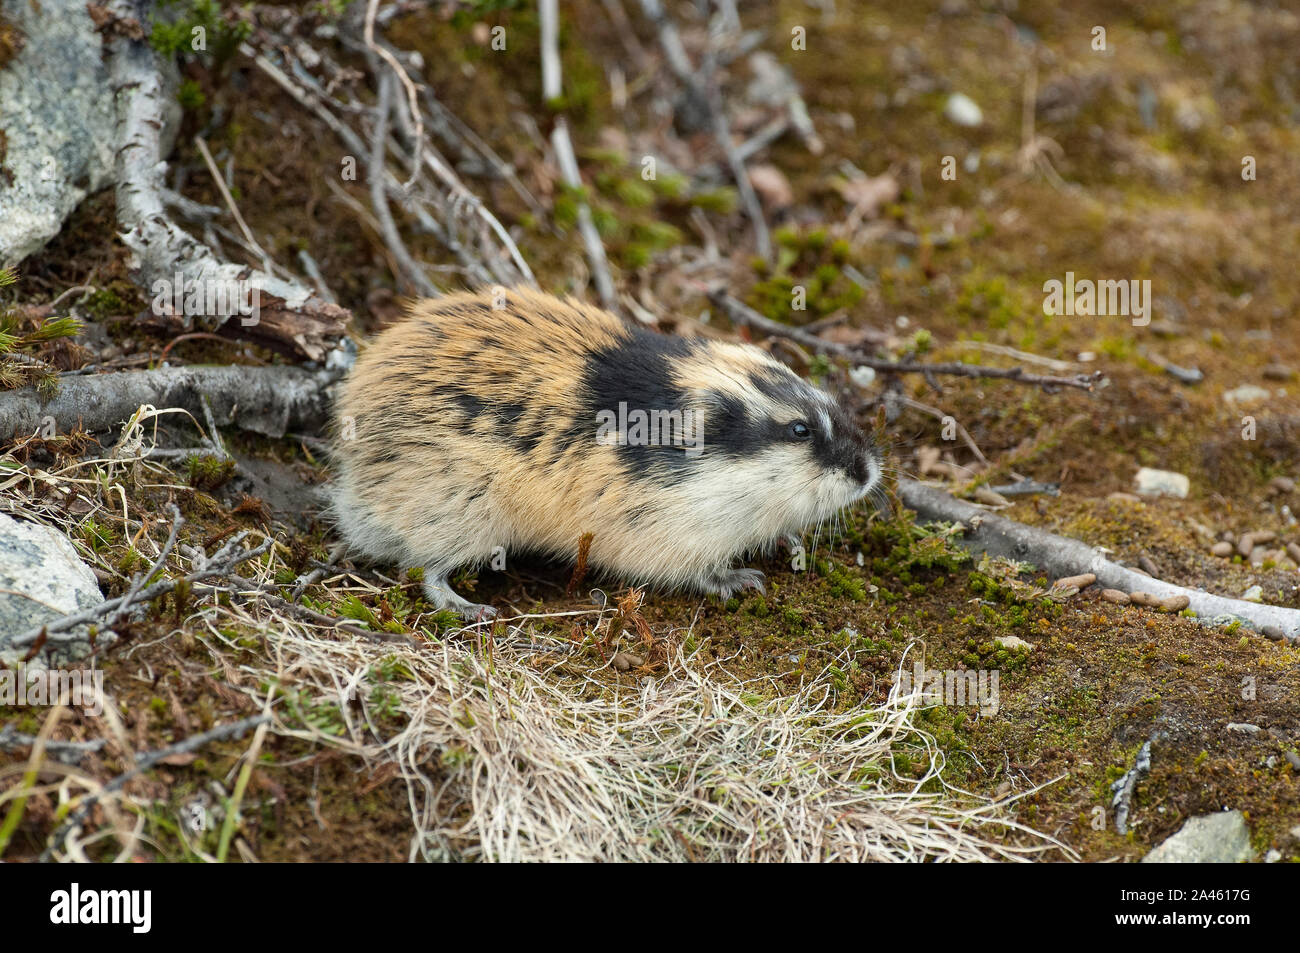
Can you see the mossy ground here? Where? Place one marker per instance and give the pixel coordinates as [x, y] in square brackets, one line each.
[1164, 201]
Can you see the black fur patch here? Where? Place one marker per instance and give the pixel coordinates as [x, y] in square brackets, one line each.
[636, 372]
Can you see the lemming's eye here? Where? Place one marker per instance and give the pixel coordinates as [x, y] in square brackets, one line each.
[799, 430]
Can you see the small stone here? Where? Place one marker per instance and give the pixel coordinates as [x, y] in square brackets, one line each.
[1076, 582]
[1246, 545]
[1175, 603]
[772, 186]
[1261, 536]
[1012, 642]
[1118, 497]
[1247, 394]
[1278, 372]
[963, 110]
[1162, 483]
[1254, 594]
[1272, 633]
[1211, 838]
[1282, 484]
[1294, 760]
[1222, 549]
[863, 376]
[626, 660]
[1243, 728]
[1273, 856]
[1115, 596]
[1140, 598]
[1293, 551]
[1148, 566]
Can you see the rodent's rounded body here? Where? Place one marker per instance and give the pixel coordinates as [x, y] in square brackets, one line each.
[468, 430]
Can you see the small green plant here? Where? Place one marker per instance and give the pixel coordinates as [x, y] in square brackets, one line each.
[807, 281]
[199, 27]
[18, 368]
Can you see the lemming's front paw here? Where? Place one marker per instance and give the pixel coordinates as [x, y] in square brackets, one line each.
[473, 612]
[731, 581]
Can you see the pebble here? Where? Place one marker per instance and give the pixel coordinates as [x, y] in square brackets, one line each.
[1247, 394]
[1075, 582]
[1294, 758]
[1116, 596]
[1246, 544]
[1281, 484]
[626, 660]
[1167, 604]
[1243, 727]
[1278, 372]
[1012, 642]
[1148, 566]
[1222, 549]
[1293, 550]
[1162, 483]
[963, 110]
[1254, 594]
[1118, 497]
[1272, 633]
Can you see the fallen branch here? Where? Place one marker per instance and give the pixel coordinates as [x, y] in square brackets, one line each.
[741, 313]
[1061, 556]
[289, 314]
[265, 400]
[143, 763]
[65, 752]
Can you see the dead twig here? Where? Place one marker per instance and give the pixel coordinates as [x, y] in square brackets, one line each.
[741, 313]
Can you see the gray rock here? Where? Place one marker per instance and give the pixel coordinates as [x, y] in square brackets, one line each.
[41, 578]
[57, 123]
[1151, 482]
[1209, 839]
[963, 110]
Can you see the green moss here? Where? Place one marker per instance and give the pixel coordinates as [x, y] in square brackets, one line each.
[204, 472]
[807, 281]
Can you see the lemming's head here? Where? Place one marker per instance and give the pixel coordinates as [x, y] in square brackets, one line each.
[738, 422]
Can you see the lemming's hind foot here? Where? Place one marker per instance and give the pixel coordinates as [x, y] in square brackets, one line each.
[438, 591]
[730, 581]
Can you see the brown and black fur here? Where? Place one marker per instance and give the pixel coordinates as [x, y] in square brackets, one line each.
[466, 428]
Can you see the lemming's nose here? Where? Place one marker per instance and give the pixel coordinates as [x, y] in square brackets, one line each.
[860, 469]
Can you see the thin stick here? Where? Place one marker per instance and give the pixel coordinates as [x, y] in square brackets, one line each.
[411, 269]
[229, 199]
[412, 100]
[143, 763]
[548, 12]
[742, 313]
